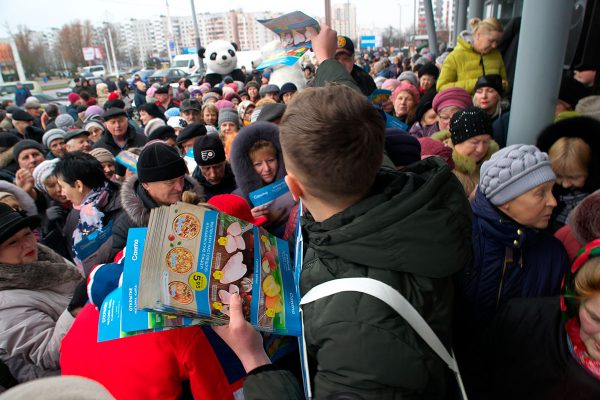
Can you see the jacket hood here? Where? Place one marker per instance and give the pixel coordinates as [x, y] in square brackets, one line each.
[397, 227]
[246, 178]
[499, 226]
[465, 40]
[6, 157]
[26, 202]
[462, 163]
[137, 203]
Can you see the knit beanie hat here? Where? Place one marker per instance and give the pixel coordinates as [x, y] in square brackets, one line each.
[93, 110]
[152, 125]
[468, 123]
[454, 96]
[42, 172]
[177, 122]
[409, 76]
[493, 81]
[163, 133]
[52, 135]
[24, 145]
[93, 124]
[513, 171]
[174, 111]
[208, 150]
[589, 106]
[431, 147]
[206, 97]
[429, 69]
[268, 89]
[223, 104]
[243, 106]
[390, 84]
[402, 148]
[64, 122]
[408, 88]
[73, 97]
[102, 155]
[229, 114]
[160, 162]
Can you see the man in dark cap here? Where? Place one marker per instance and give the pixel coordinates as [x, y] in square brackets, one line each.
[188, 136]
[161, 181]
[191, 111]
[164, 97]
[77, 140]
[213, 171]
[119, 134]
[345, 55]
[23, 123]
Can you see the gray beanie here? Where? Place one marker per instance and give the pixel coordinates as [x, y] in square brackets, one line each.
[229, 114]
[409, 76]
[513, 171]
[52, 135]
[269, 88]
[64, 122]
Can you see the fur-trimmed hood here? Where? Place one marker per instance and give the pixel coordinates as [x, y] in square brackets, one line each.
[26, 202]
[6, 157]
[51, 272]
[463, 163]
[246, 178]
[137, 203]
[584, 220]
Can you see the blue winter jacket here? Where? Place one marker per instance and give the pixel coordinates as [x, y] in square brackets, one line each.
[509, 261]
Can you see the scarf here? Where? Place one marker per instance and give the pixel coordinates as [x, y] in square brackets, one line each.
[570, 310]
[90, 223]
[570, 198]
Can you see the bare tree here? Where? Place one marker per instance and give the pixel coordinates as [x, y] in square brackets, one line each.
[32, 51]
[73, 38]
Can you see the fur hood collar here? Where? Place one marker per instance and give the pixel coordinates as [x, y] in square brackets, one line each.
[51, 271]
[26, 202]
[246, 178]
[137, 203]
[6, 157]
[464, 163]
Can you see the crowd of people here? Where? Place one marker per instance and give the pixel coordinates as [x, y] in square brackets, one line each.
[496, 246]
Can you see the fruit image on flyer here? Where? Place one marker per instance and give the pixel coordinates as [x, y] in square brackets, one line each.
[270, 311]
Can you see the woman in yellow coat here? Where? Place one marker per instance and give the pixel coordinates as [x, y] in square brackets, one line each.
[475, 55]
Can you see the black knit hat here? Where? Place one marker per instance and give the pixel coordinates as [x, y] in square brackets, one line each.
[24, 145]
[494, 81]
[470, 122]
[425, 104]
[12, 222]
[429, 69]
[160, 162]
[163, 89]
[208, 150]
[8, 139]
[402, 148]
[191, 131]
[163, 133]
[287, 87]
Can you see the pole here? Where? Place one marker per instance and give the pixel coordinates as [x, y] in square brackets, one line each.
[197, 33]
[415, 21]
[169, 34]
[108, 56]
[400, 26]
[17, 57]
[433, 46]
[112, 50]
[328, 12]
[475, 9]
[461, 22]
[535, 93]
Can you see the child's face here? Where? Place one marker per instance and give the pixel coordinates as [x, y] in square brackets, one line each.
[265, 164]
[210, 118]
[575, 180]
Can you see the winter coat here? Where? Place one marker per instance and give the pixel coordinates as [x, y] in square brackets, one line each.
[248, 180]
[31, 132]
[139, 98]
[148, 366]
[112, 213]
[72, 111]
[33, 315]
[133, 139]
[226, 186]
[509, 260]
[21, 96]
[137, 204]
[53, 229]
[363, 347]
[528, 355]
[363, 80]
[333, 71]
[25, 201]
[464, 65]
[465, 169]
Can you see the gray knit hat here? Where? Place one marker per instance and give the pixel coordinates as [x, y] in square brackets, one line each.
[42, 172]
[229, 114]
[52, 135]
[411, 77]
[64, 122]
[513, 171]
[269, 88]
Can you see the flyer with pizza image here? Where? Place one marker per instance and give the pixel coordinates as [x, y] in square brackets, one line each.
[194, 259]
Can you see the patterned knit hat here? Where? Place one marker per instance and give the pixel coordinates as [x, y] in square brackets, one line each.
[42, 172]
[468, 123]
[513, 171]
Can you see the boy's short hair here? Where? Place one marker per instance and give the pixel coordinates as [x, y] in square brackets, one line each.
[80, 166]
[570, 156]
[333, 139]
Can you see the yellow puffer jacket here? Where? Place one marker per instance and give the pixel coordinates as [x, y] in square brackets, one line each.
[464, 66]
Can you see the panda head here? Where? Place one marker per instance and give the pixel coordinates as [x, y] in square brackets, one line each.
[220, 57]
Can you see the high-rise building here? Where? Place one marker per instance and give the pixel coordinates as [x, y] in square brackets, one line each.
[443, 12]
[343, 19]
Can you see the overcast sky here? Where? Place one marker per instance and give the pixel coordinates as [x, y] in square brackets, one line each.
[45, 14]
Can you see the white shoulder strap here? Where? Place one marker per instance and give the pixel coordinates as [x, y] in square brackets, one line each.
[394, 299]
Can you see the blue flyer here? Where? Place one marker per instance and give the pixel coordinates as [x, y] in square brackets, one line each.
[267, 194]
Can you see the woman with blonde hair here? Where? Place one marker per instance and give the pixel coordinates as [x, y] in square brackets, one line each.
[475, 55]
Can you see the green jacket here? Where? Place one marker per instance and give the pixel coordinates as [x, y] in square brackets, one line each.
[412, 232]
[464, 66]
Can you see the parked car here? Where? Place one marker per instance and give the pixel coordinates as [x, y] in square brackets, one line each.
[172, 75]
[95, 70]
[11, 87]
[144, 75]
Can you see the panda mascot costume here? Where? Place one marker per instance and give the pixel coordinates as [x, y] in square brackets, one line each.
[221, 61]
